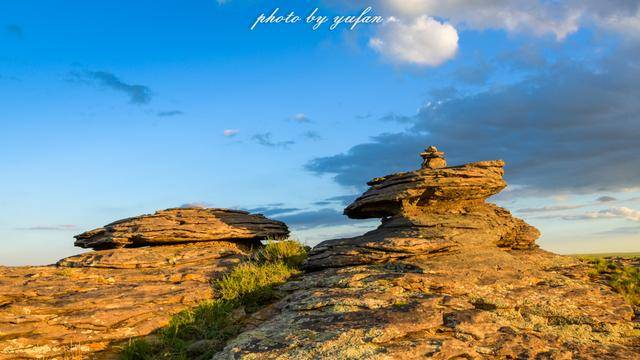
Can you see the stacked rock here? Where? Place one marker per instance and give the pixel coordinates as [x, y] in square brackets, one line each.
[431, 210]
[432, 158]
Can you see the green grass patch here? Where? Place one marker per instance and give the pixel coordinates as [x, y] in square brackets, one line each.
[625, 279]
[200, 332]
[624, 255]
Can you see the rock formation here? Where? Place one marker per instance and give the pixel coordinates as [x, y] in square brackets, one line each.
[432, 210]
[182, 225]
[445, 276]
[87, 304]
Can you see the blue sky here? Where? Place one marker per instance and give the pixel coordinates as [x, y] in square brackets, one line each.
[112, 109]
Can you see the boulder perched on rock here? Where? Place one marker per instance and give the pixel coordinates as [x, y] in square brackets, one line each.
[445, 276]
[431, 210]
[182, 225]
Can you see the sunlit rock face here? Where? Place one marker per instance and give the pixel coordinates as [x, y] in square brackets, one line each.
[182, 225]
[445, 276]
[148, 268]
[432, 210]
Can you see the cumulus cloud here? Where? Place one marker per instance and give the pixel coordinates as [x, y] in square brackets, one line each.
[265, 139]
[230, 132]
[138, 94]
[538, 17]
[569, 129]
[420, 41]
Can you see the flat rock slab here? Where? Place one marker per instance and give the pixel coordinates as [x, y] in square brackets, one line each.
[389, 194]
[183, 225]
[93, 301]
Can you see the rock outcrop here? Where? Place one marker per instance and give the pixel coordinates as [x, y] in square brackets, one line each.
[182, 225]
[445, 276]
[432, 210]
[85, 305]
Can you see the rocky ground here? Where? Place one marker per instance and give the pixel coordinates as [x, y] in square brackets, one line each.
[446, 276]
[87, 305]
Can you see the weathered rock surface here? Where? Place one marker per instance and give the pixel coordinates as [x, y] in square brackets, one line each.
[446, 276]
[89, 302]
[389, 195]
[86, 305]
[182, 225]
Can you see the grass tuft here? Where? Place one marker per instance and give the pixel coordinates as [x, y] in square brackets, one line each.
[200, 332]
[624, 279]
[290, 252]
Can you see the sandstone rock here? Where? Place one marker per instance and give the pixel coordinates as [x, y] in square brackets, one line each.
[432, 158]
[90, 303]
[428, 211]
[445, 276]
[86, 305]
[388, 195]
[182, 225]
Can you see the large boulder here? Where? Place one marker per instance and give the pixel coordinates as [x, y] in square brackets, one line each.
[183, 225]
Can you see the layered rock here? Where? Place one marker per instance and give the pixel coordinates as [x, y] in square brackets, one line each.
[86, 305]
[182, 225]
[430, 210]
[445, 276]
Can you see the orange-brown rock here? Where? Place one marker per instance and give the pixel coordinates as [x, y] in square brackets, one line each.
[182, 225]
[87, 303]
[445, 276]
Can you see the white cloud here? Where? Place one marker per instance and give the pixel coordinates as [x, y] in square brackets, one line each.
[540, 17]
[301, 118]
[230, 132]
[549, 208]
[611, 213]
[199, 205]
[421, 41]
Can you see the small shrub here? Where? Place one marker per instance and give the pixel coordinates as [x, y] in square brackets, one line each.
[623, 279]
[248, 287]
[290, 252]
